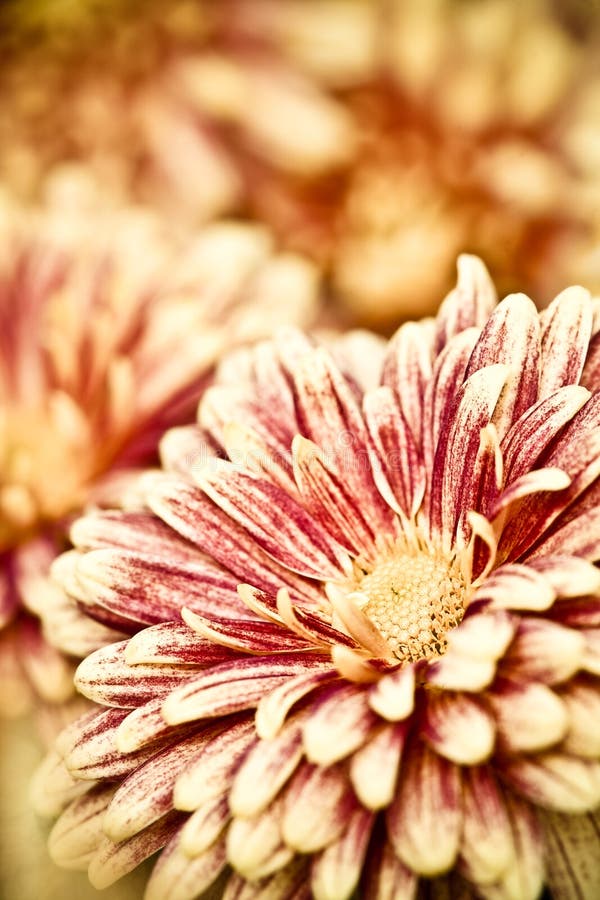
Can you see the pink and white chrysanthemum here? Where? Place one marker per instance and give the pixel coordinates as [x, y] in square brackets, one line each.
[363, 623]
[108, 331]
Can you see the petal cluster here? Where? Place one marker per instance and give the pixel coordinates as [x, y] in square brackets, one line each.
[110, 328]
[254, 723]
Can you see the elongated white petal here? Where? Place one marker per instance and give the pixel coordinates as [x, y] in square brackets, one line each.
[337, 724]
[335, 872]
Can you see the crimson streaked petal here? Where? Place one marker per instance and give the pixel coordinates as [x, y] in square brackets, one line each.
[566, 331]
[425, 819]
[205, 825]
[469, 304]
[543, 651]
[258, 636]
[278, 524]
[266, 769]
[338, 723]
[108, 679]
[193, 515]
[111, 861]
[231, 687]
[459, 728]
[212, 772]
[511, 336]
[76, 835]
[531, 434]
[397, 465]
[177, 876]
[318, 801]
[555, 780]
[274, 706]
[487, 847]
[336, 870]
[176, 644]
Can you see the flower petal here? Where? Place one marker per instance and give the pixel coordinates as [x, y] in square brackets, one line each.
[177, 876]
[529, 716]
[278, 524]
[266, 768]
[318, 802]
[566, 331]
[374, 768]
[555, 780]
[469, 304]
[106, 678]
[459, 728]
[231, 687]
[336, 870]
[424, 821]
[487, 847]
[393, 697]
[338, 722]
[111, 861]
[212, 771]
[254, 845]
[76, 835]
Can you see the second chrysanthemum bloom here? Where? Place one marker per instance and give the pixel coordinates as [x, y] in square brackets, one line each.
[405, 684]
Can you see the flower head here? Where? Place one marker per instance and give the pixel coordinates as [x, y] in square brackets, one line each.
[387, 668]
[382, 138]
[109, 330]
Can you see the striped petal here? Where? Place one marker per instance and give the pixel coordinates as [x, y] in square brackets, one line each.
[555, 781]
[231, 687]
[424, 821]
[400, 474]
[177, 876]
[487, 848]
[278, 524]
[318, 802]
[469, 304]
[511, 336]
[459, 728]
[106, 678]
[338, 723]
[111, 861]
[566, 331]
[147, 793]
[76, 836]
[336, 870]
[529, 716]
[212, 771]
[266, 768]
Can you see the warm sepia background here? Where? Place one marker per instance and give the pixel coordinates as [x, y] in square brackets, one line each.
[379, 138]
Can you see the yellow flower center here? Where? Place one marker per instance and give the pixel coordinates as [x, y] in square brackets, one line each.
[43, 472]
[414, 600]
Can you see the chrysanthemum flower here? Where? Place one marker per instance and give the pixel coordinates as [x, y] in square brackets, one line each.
[380, 136]
[387, 669]
[108, 331]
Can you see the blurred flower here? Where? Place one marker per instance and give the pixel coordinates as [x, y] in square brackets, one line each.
[380, 137]
[405, 684]
[108, 330]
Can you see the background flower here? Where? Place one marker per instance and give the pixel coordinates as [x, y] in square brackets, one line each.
[380, 137]
[405, 685]
[109, 329]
